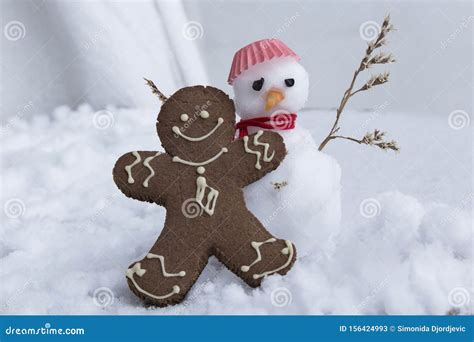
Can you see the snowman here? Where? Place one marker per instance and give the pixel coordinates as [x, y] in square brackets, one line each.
[301, 199]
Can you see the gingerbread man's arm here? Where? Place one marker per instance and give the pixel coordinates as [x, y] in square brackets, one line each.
[142, 175]
[252, 157]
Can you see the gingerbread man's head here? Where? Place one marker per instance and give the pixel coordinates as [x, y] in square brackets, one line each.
[196, 121]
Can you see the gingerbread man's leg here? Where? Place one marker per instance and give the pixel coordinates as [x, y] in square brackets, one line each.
[167, 272]
[251, 252]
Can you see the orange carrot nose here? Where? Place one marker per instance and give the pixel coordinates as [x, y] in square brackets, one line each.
[274, 97]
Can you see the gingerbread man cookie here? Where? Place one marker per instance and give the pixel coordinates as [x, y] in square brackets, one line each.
[199, 181]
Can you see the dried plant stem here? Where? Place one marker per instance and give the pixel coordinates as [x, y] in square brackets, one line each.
[359, 141]
[373, 139]
[367, 61]
[345, 98]
[155, 90]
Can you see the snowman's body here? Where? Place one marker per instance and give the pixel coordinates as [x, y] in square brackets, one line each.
[301, 199]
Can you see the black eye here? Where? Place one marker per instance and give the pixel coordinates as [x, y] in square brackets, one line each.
[257, 85]
[290, 82]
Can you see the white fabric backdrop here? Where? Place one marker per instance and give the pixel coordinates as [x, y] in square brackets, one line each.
[94, 52]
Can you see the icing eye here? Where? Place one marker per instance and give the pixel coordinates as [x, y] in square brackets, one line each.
[257, 85]
[290, 82]
[184, 117]
[204, 114]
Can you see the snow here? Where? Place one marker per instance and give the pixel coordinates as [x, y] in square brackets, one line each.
[68, 235]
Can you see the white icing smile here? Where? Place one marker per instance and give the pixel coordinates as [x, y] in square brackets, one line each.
[178, 132]
[186, 162]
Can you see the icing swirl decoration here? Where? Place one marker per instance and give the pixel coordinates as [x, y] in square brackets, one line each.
[266, 158]
[256, 246]
[139, 271]
[163, 270]
[152, 172]
[201, 187]
[201, 182]
[288, 250]
[128, 168]
[250, 151]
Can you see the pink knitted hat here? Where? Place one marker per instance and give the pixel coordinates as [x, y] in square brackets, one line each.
[258, 52]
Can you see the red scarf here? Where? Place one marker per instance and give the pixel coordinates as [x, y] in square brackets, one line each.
[279, 122]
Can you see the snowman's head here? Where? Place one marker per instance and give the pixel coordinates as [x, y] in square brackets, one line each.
[267, 79]
[280, 84]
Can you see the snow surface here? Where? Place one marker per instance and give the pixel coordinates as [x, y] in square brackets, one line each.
[68, 235]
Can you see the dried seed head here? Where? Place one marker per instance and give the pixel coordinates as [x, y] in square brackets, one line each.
[155, 90]
[375, 138]
[386, 21]
[380, 58]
